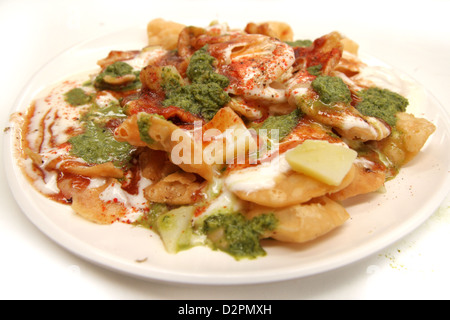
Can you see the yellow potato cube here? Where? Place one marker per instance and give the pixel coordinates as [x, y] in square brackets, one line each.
[324, 161]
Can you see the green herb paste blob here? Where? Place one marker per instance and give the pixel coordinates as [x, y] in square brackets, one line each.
[96, 145]
[381, 103]
[283, 123]
[143, 122]
[331, 90]
[77, 97]
[204, 96]
[315, 70]
[299, 43]
[238, 236]
[115, 70]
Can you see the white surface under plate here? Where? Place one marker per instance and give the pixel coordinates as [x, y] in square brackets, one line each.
[377, 220]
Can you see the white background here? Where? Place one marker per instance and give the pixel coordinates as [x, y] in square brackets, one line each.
[413, 36]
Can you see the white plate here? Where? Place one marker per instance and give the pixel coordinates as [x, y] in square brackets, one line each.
[377, 220]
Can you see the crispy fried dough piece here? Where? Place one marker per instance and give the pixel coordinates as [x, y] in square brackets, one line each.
[350, 46]
[163, 33]
[415, 131]
[155, 164]
[187, 40]
[185, 149]
[276, 29]
[115, 56]
[87, 202]
[326, 51]
[367, 179]
[179, 188]
[303, 222]
[104, 170]
[168, 137]
[404, 145]
[349, 64]
[129, 131]
[293, 188]
[400, 147]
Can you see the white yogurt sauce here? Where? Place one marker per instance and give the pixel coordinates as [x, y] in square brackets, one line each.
[262, 176]
[133, 203]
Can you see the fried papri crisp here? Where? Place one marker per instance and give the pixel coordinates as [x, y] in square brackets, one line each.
[163, 33]
[303, 222]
